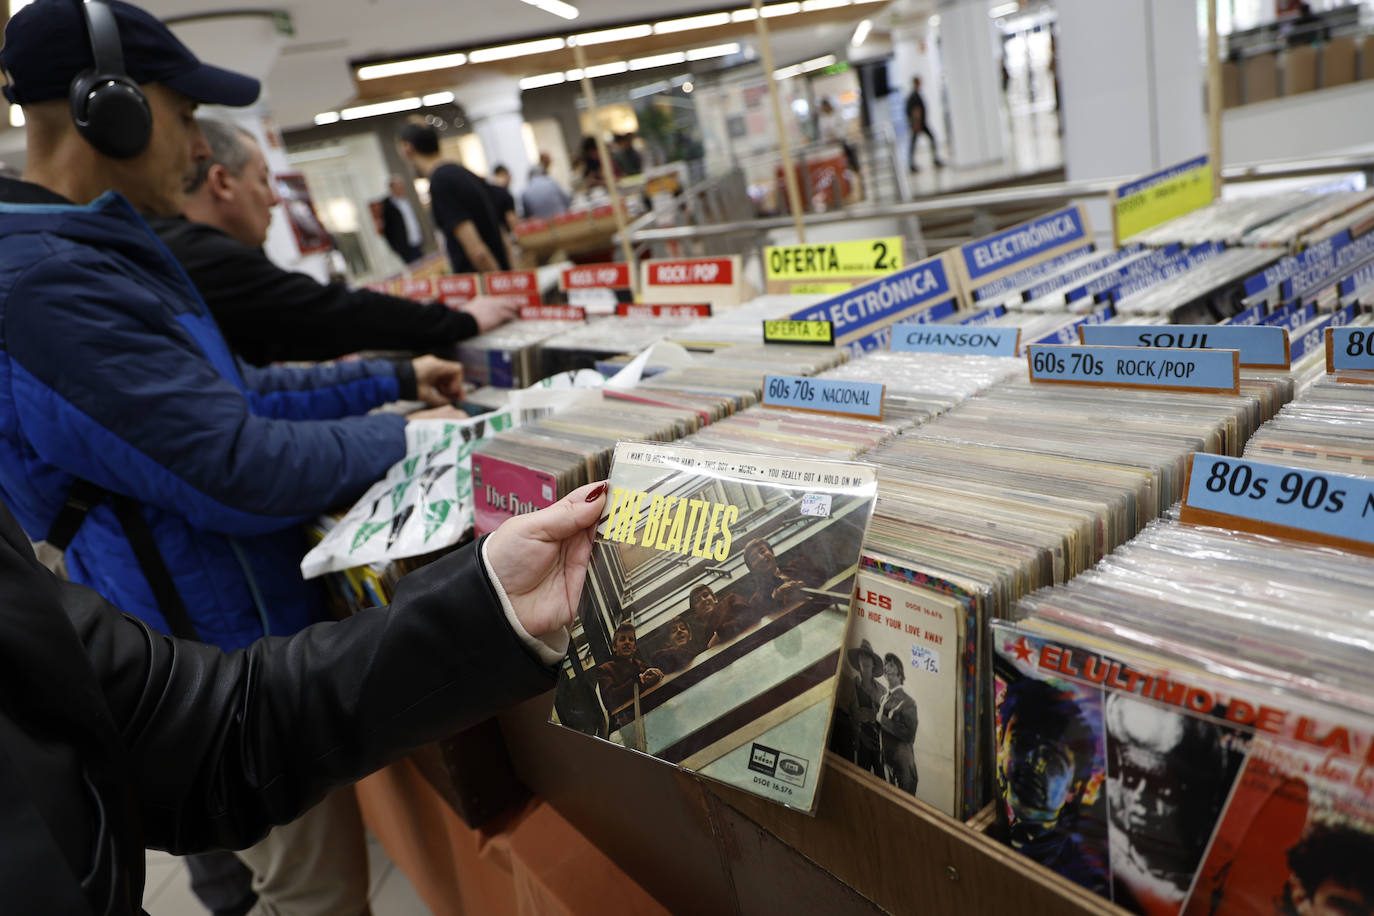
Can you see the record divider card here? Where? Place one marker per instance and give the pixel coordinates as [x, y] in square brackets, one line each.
[818, 395]
[1331, 510]
[1170, 369]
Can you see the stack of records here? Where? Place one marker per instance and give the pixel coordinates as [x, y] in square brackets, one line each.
[508, 356]
[1329, 428]
[1275, 219]
[713, 618]
[1021, 487]
[581, 346]
[1187, 728]
[925, 385]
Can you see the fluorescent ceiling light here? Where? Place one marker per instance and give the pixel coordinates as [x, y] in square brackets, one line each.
[1003, 9]
[817, 63]
[437, 98]
[658, 60]
[709, 21]
[573, 75]
[640, 92]
[380, 108]
[316, 154]
[542, 80]
[607, 69]
[861, 33]
[713, 51]
[417, 65]
[16, 115]
[781, 9]
[624, 34]
[809, 6]
[744, 15]
[786, 73]
[327, 117]
[857, 2]
[557, 7]
[505, 52]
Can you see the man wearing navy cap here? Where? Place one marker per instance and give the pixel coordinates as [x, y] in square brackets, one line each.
[174, 477]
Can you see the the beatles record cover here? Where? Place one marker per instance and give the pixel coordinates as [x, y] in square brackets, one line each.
[713, 620]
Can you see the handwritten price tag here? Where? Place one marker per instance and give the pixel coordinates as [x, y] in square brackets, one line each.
[924, 658]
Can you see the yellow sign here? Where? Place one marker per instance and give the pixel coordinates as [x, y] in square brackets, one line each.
[799, 332]
[858, 258]
[1165, 195]
[825, 289]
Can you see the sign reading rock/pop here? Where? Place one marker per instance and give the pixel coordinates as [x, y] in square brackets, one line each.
[671, 281]
[456, 289]
[1136, 367]
[521, 285]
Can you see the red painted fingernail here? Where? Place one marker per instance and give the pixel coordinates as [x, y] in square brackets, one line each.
[596, 493]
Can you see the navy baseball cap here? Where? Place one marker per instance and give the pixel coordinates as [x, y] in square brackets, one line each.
[46, 45]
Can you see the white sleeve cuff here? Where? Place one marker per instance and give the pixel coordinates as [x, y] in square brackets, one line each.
[551, 647]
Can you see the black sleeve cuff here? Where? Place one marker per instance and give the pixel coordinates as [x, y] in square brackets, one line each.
[405, 378]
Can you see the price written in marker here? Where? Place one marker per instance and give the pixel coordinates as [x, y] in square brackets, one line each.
[1273, 499]
[1136, 367]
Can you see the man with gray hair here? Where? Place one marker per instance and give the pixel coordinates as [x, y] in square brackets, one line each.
[269, 314]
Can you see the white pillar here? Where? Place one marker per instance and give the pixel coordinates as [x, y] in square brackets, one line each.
[492, 104]
[1129, 106]
[253, 43]
[969, 53]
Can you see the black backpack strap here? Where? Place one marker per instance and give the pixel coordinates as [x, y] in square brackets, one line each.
[83, 497]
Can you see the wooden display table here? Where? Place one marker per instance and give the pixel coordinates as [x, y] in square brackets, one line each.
[701, 847]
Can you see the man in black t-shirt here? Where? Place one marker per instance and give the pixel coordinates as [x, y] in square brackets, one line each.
[460, 204]
[498, 189]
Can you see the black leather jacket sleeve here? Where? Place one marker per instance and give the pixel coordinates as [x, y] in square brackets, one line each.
[224, 745]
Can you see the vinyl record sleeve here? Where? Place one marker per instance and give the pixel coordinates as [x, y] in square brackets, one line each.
[713, 618]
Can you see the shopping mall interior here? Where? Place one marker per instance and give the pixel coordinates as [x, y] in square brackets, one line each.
[1008, 148]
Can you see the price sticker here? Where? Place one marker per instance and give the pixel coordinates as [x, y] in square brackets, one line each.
[1136, 367]
[1323, 508]
[924, 658]
[789, 331]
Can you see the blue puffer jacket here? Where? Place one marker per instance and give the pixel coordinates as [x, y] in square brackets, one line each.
[113, 370]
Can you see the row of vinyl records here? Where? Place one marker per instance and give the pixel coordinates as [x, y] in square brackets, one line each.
[989, 488]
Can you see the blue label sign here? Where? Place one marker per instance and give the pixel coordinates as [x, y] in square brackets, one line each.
[1290, 316]
[986, 315]
[1315, 336]
[1027, 274]
[1022, 243]
[1259, 347]
[1361, 278]
[863, 310]
[1251, 316]
[1349, 348]
[1136, 367]
[927, 338]
[854, 399]
[1069, 333]
[1288, 266]
[1257, 493]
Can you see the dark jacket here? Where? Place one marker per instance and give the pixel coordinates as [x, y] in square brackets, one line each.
[112, 370]
[116, 738]
[272, 315]
[394, 230]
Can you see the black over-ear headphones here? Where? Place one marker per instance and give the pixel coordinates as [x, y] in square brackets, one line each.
[109, 109]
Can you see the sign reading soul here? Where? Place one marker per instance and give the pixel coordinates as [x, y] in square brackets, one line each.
[1315, 506]
[833, 396]
[1136, 367]
[1260, 347]
[1161, 196]
[931, 338]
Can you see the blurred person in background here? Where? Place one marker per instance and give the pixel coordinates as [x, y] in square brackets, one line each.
[498, 189]
[460, 203]
[543, 196]
[917, 124]
[400, 225]
[272, 315]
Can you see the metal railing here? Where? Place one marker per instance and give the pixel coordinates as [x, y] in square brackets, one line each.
[984, 201]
